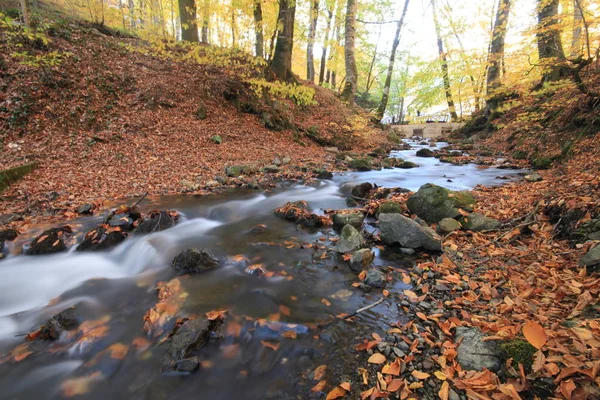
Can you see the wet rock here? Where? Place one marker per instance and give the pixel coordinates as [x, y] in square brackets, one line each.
[264, 361]
[286, 160]
[474, 353]
[271, 169]
[361, 164]
[425, 153]
[101, 239]
[332, 150]
[194, 260]
[390, 207]
[184, 366]
[591, 260]
[123, 220]
[298, 212]
[49, 242]
[406, 250]
[157, 221]
[65, 320]
[406, 165]
[348, 217]
[362, 191]
[434, 203]
[323, 174]
[8, 218]
[448, 225]
[361, 259]
[191, 336]
[534, 177]
[375, 278]
[85, 208]
[7, 235]
[478, 222]
[396, 228]
[256, 229]
[350, 240]
[277, 162]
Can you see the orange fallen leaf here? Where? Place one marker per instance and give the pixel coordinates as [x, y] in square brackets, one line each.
[326, 302]
[78, 386]
[319, 386]
[377, 358]
[392, 369]
[395, 385]
[346, 386]
[420, 375]
[336, 393]
[535, 334]
[290, 334]
[270, 344]
[320, 372]
[444, 392]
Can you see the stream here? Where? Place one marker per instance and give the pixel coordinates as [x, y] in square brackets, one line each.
[304, 288]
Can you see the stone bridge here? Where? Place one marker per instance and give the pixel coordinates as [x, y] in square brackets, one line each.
[427, 130]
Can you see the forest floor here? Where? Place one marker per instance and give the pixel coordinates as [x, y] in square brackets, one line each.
[132, 126]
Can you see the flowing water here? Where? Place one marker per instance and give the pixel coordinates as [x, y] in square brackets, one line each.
[304, 288]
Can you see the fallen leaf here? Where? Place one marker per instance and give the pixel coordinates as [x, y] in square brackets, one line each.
[420, 375]
[320, 372]
[336, 393]
[377, 358]
[319, 386]
[535, 334]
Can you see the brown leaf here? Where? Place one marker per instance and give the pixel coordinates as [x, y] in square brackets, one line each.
[336, 393]
[535, 334]
[320, 372]
[420, 375]
[319, 386]
[377, 358]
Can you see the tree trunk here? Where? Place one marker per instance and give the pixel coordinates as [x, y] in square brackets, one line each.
[282, 57]
[258, 27]
[205, 21]
[549, 43]
[444, 62]
[388, 80]
[372, 65]
[233, 41]
[26, 10]
[132, 13]
[325, 45]
[312, 31]
[496, 52]
[187, 15]
[577, 25]
[351, 71]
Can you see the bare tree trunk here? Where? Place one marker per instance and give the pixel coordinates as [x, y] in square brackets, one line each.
[132, 13]
[350, 61]
[26, 10]
[577, 24]
[312, 32]
[205, 21]
[373, 59]
[549, 43]
[258, 27]
[173, 28]
[496, 52]
[187, 15]
[232, 26]
[444, 62]
[338, 38]
[121, 9]
[325, 45]
[388, 80]
[282, 57]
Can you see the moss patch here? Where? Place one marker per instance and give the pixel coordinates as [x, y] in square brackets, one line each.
[520, 351]
[10, 176]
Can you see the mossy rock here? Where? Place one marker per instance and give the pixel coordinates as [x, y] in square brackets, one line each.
[520, 155]
[361, 164]
[541, 162]
[434, 203]
[390, 207]
[406, 165]
[394, 138]
[520, 351]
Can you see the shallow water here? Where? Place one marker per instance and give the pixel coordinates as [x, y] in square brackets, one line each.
[118, 286]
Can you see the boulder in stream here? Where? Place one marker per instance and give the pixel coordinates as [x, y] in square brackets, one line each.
[350, 240]
[85, 209]
[65, 320]
[194, 260]
[7, 235]
[425, 152]
[158, 221]
[191, 336]
[49, 242]
[398, 229]
[375, 278]
[362, 190]
[298, 212]
[434, 203]
[348, 217]
[101, 238]
[123, 219]
[361, 259]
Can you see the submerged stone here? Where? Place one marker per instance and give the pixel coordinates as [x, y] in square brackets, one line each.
[50, 241]
[194, 260]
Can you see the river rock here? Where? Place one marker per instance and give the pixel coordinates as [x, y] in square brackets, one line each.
[362, 191]
[7, 235]
[123, 220]
[348, 217]
[476, 354]
[10, 217]
[390, 207]
[425, 153]
[101, 239]
[533, 177]
[478, 222]
[361, 259]
[591, 259]
[49, 242]
[396, 228]
[233, 171]
[184, 366]
[298, 212]
[361, 164]
[448, 225]
[157, 221]
[286, 160]
[271, 169]
[85, 209]
[375, 278]
[191, 336]
[350, 240]
[406, 165]
[65, 320]
[434, 203]
[194, 260]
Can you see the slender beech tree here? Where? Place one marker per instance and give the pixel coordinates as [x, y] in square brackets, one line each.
[26, 10]
[549, 43]
[326, 39]
[187, 15]
[205, 21]
[496, 53]
[577, 25]
[312, 33]
[388, 80]
[282, 56]
[258, 27]
[444, 64]
[351, 79]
